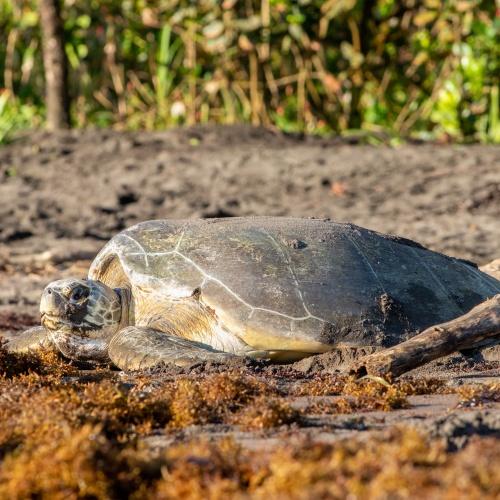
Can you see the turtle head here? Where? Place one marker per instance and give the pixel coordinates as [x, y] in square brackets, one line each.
[81, 317]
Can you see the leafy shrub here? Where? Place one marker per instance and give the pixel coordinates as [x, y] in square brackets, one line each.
[425, 68]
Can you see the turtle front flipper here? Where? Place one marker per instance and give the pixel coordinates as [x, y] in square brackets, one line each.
[33, 339]
[135, 348]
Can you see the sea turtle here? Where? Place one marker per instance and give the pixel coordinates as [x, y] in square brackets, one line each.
[181, 291]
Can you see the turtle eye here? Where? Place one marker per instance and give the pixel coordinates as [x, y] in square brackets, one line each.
[79, 293]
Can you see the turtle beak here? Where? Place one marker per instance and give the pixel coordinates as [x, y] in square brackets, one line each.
[51, 308]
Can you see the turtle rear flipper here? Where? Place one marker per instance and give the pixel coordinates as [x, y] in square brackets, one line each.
[33, 339]
[135, 348]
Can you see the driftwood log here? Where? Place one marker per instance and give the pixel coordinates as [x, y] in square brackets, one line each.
[480, 324]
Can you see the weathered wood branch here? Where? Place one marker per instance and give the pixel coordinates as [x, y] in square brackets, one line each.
[55, 65]
[471, 330]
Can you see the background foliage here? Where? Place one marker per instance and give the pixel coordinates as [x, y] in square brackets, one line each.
[408, 67]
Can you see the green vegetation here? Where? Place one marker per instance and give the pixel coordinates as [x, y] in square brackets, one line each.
[427, 69]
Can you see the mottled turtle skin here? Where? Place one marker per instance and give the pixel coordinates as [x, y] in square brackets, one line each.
[278, 288]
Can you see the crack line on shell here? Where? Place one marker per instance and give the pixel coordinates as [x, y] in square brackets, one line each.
[365, 258]
[177, 246]
[437, 281]
[479, 274]
[231, 292]
[289, 265]
[143, 252]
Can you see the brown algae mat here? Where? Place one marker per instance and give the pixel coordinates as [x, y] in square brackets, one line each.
[167, 433]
